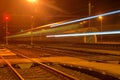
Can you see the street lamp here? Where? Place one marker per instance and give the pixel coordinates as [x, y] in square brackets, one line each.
[32, 1]
[32, 19]
[101, 24]
[32, 24]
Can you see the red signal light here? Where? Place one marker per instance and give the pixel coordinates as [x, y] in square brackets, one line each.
[6, 18]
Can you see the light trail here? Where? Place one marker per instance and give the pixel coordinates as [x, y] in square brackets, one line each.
[87, 18]
[85, 34]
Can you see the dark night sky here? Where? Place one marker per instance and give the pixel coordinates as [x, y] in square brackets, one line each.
[49, 11]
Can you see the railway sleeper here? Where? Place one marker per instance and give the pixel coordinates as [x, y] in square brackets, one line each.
[95, 73]
[89, 71]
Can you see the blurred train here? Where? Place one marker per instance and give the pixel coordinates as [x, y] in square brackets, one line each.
[38, 35]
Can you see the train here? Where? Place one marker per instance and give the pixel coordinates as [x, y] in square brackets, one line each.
[39, 34]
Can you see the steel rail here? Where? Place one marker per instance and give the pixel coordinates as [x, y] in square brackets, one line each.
[48, 67]
[18, 75]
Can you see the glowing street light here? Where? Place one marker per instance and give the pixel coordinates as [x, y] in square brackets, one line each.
[32, 1]
[100, 17]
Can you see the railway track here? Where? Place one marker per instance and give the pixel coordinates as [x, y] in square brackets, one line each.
[43, 72]
[85, 51]
[15, 74]
[104, 45]
[83, 73]
[67, 52]
[91, 56]
[7, 74]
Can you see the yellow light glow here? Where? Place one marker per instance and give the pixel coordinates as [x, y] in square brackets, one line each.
[100, 17]
[81, 22]
[32, 1]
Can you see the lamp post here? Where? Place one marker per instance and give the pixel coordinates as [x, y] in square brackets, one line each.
[32, 24]
[101, 25]
[32, 19]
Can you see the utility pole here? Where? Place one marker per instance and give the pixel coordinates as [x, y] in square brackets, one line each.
[89, 12]
[32, 24]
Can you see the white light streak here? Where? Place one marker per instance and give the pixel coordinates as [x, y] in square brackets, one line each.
[85, 34]
[87, 18]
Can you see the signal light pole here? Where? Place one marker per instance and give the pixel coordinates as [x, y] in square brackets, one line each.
[6, 29]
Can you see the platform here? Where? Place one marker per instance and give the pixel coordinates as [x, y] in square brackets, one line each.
[6, 52]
